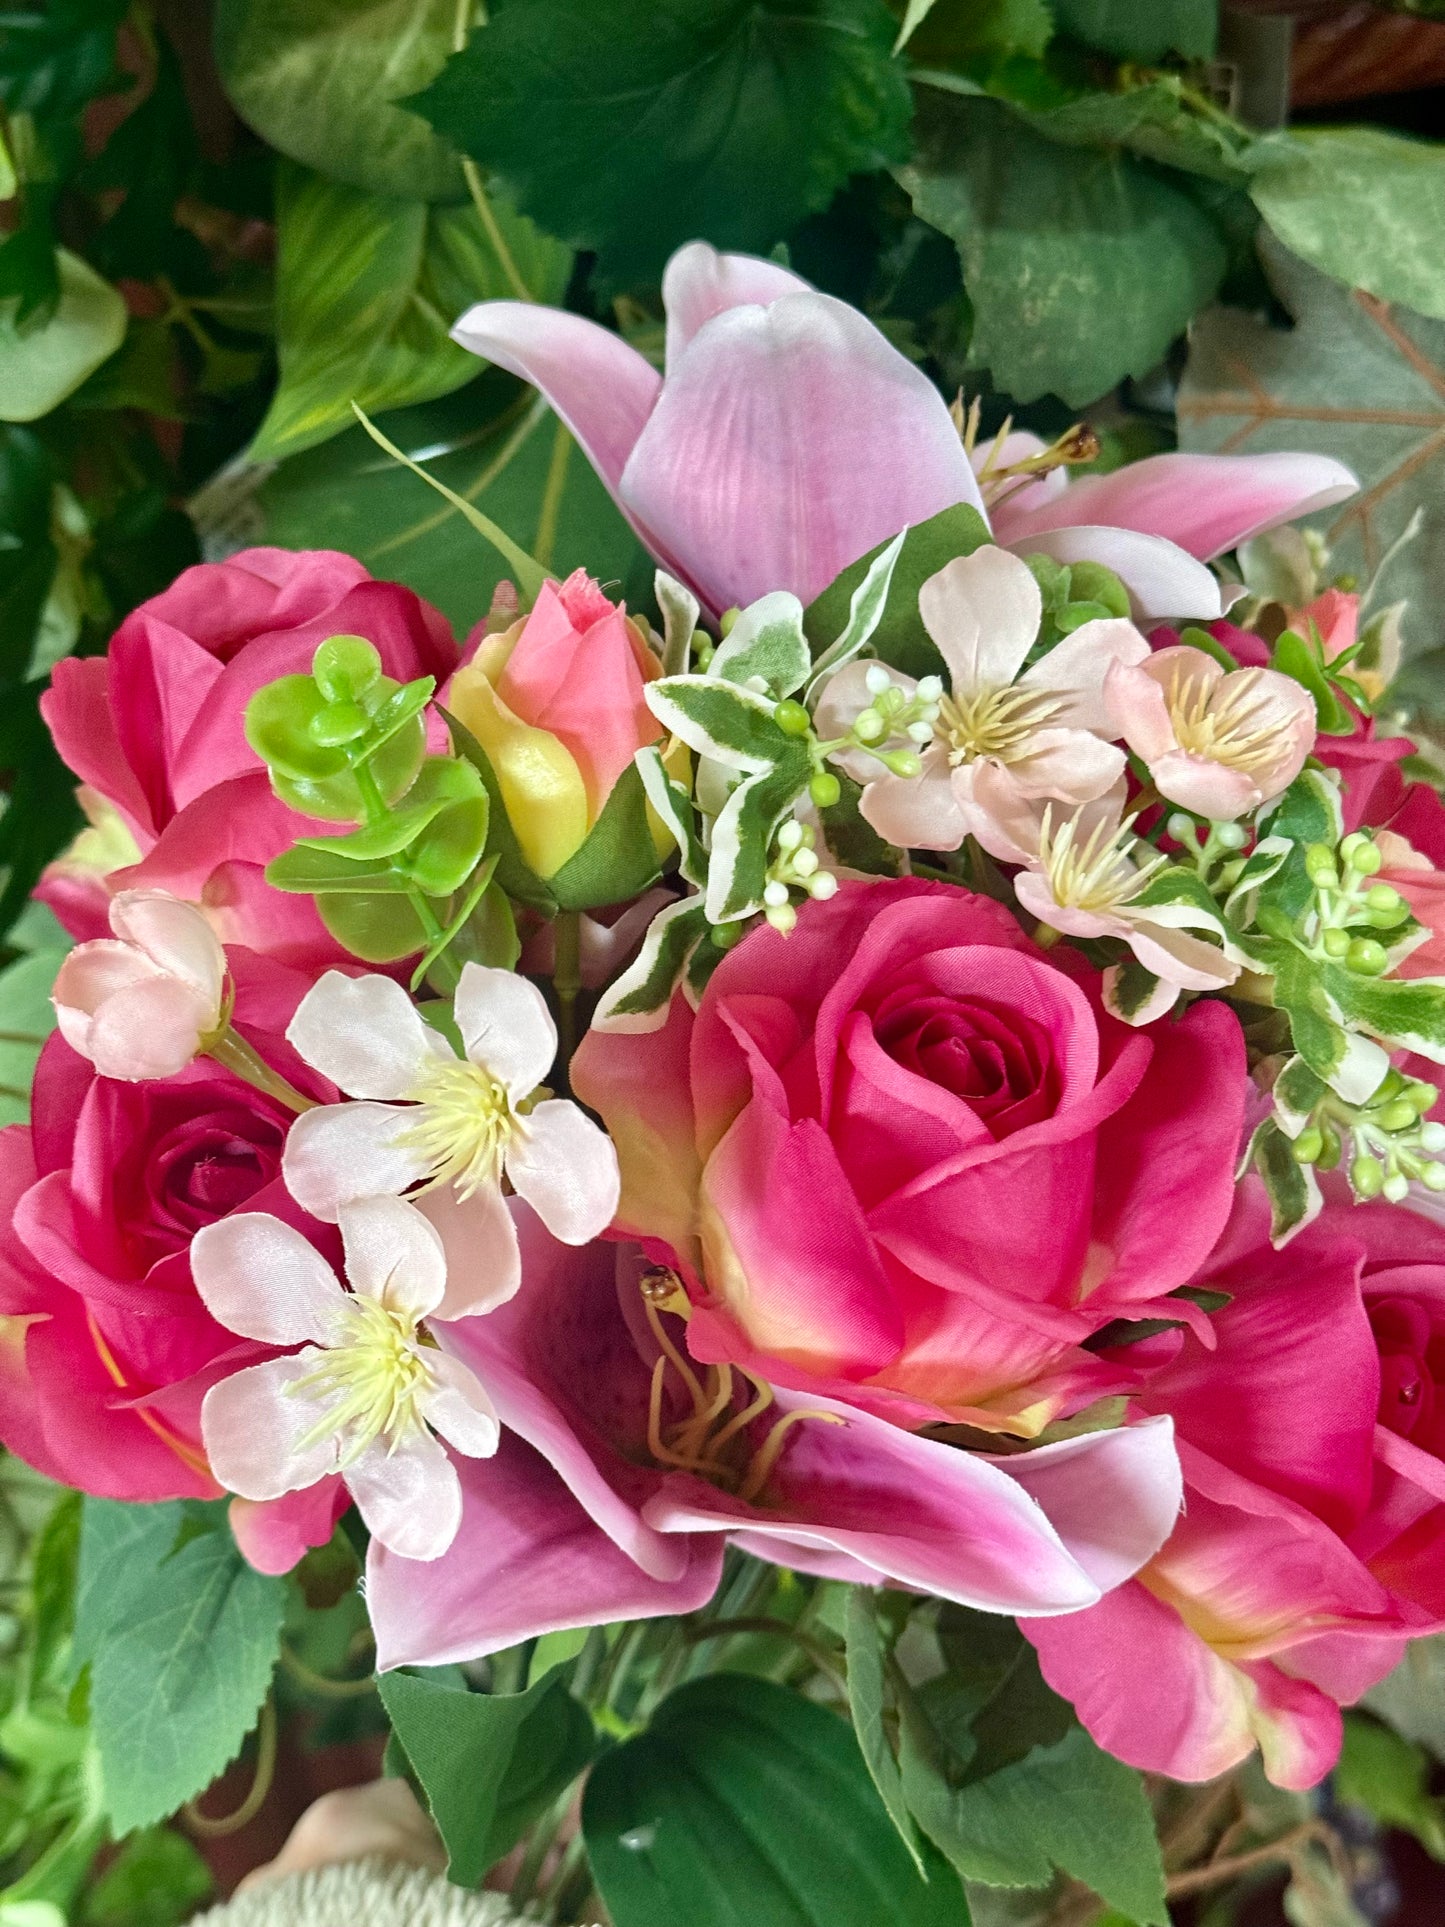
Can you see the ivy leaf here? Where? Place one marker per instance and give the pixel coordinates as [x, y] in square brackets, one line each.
[1141, 29]
[742, 836]
[1354, 378]
[181, 1636]
[673, 806]
[1365, 206]
[639, 999]
[366, 291]
[716, 718]
[899, 636]
[488, 1762]
[767, 641]
[1295, 1198]
[729, 119]
[865, 612]
[318, 79]
[43, 363]
[1078, 275]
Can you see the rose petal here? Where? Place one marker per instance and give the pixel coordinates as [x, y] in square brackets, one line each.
[338, 1152]
[393, 1255]
[506, 1027]
[364, 1033]
[261, 1278]
[566, 1169]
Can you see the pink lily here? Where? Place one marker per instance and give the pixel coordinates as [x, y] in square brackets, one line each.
[642, 1462]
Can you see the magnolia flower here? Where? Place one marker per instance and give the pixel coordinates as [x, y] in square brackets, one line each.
[1082, 876]
[367, 1393]
[432, 1118]
[1218, 742]
[143, 1003]
[1033, 729]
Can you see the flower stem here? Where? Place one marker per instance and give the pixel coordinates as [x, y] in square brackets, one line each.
[567, 976]
[232, 1051]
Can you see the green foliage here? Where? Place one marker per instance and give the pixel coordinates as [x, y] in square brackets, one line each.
[1412, 1697]
[488, 1763]
[1050, 247]
[1141, 29]
[899, 637]
[367, 289]
[618, 860]
[319, 79]
[43, 362]
[156, 1880]
[27, 1015]
[725, 119]
[1352, 379]
[744, 1801]
[1388, 1776]
[181, 1637]
[1364, 206]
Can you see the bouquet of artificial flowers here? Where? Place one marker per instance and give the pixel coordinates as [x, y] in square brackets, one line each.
[916, 1066]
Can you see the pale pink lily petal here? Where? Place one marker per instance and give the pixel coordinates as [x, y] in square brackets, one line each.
[760, 462]
[602, 389]
[484, 1267]
[364, 1033]
[1164, 582]
[176, 936]
[1205, 503]
[261, 1279]
[255, 1426]
[458, 1408]
[152, 1028]
[699, 283]
[342, 1151]
[408, 1494]
[506, 1027]
[983, 612]
[1076, 666]
[916, 812]
[566, 1169]
[527, 1559]
[393, 1255]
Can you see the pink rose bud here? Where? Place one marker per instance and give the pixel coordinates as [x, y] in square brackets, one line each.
[143, 1003]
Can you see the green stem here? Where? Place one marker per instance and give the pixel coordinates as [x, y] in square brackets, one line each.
[233, 1052]
[567, 976]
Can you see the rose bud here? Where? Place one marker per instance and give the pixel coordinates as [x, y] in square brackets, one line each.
[144, 1002]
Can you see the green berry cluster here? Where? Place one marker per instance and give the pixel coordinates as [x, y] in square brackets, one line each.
[1391, 1139]
[1348, 906]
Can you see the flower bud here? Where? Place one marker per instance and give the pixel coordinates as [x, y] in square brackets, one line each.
[1320, 865]
[1366, 958]
[1336, 943]
[1397, 1116]
[1432, 1176]
[1309, 1144]
[1367, 1175]
[144, 1003]
[1396, 1187]
[869, 726]
[825, 789]
[792, 718]
[877, 679]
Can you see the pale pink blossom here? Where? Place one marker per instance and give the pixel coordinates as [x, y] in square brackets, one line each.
[457, 1125]
[143, 1003]
[1084, 874]
[1218, 742]
[366, 1395]
[1040, 732]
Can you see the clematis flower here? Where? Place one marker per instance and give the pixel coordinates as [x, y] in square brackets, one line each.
[428, 1117]
[557, 703]
[1218, 742]
[1082, 876]
[142, 1003]
[627, 1465]
[1039, 731]
[365, 1396]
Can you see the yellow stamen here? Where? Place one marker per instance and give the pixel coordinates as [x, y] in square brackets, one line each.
[764, 1460]
[1231, 721]
[995, 722]
[462, 1125]
[373, 1381]
[1095, 874]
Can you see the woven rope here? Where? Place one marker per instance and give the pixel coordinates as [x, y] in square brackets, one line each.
[360, 1894]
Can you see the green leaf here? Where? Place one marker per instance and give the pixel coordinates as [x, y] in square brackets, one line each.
[1295, 1198]
[729, 119]
[1365, 206]
[1068, 1805]
[28, 555]
[377, 927]
[1293, 657]
[27, 1018]
[43, 363]
[638, 1000]
[1078, 274]
[866, 1694]
[1130, 991]
[367, 288]
[951, 35]
[673, 806]
[900, 637]
[494, 442]
[181, 1639]
[1158, 121]
[156, 1880]
[1352, 379]
[865, 611]
[1141, 29]
[717, 719]
[1388, 1776]
[1412, 1697]
[487, 1762]
[317, 78]
[618, 860]
[306, 871]
[745, 1802]
[1297, 1090]
[742, 837]
[766, 640]
[513, 872]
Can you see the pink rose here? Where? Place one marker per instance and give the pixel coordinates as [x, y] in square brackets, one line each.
[154, 730]
[105, 1347]
[903, 1157]
[1312, 1542]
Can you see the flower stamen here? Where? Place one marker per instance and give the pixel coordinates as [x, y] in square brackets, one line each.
[462, 1125]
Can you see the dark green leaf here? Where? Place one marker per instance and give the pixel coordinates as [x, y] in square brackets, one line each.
[156, 1880]
[1141, 29]
[181, 1641]
[1293, 657]
[900, 637]
[619, 859]
[367, 288]
[1079, 274]
[1389, 1777]
[27, 553]
[318, 78]
[725, 119]
[866, 1702]
[745, 1802]
[42, 815]
[674, 935]
[488, 1762]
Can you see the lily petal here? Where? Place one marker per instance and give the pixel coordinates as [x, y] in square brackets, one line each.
[1164, 582]
[699, 283]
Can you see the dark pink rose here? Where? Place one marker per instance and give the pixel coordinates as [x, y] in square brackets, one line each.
[154, 730]
[903, 1156]
[1312, 1542]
